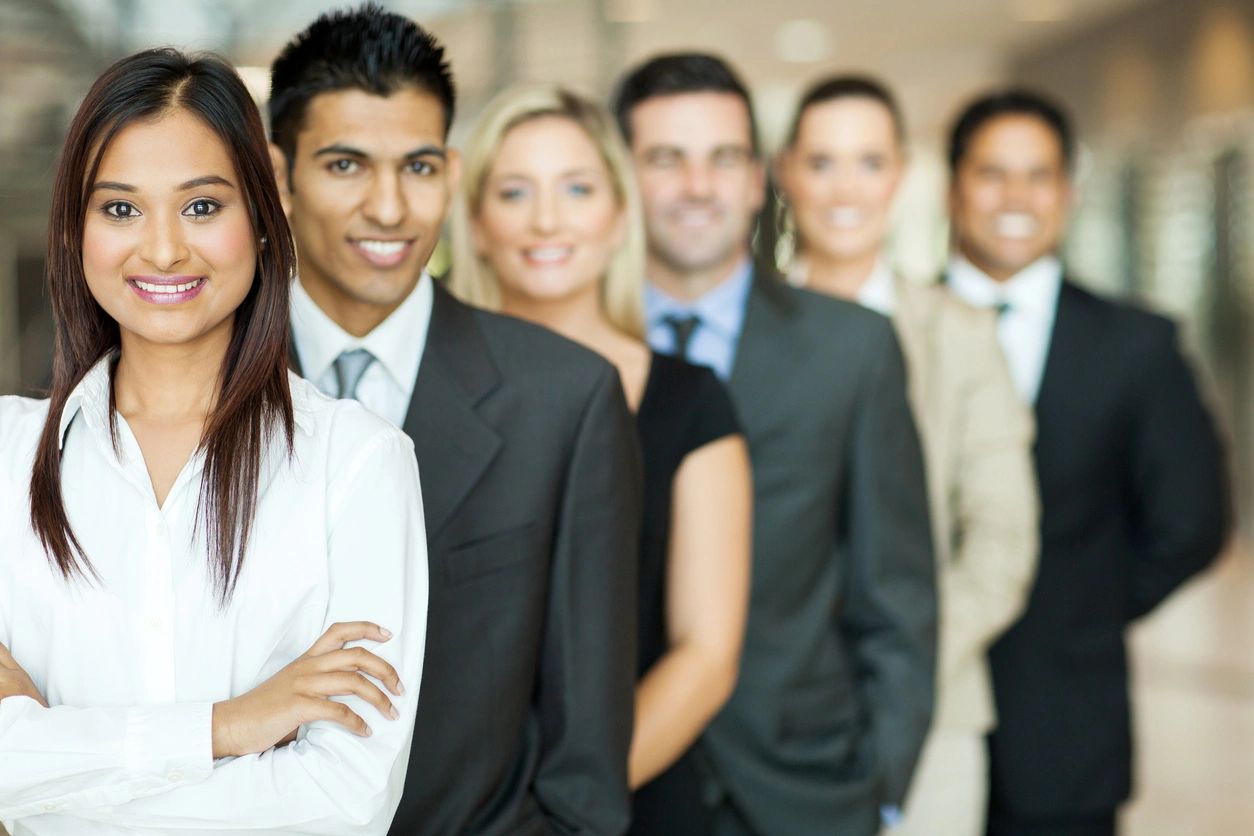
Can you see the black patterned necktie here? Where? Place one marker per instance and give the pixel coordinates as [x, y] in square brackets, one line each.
[682, 327]
[350, 366]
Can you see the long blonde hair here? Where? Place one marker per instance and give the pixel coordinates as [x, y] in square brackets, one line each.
[472, 278]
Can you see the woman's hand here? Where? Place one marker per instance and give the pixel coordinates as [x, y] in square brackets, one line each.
[14, 682]
[271, 713]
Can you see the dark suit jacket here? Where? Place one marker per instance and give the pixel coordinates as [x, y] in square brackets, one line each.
[1134, 501]
[835, 688]
[531, 491]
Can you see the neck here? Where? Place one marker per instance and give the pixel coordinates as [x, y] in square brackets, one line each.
[688, 285]
[356, 317]
[172, 382]
[842, 278]
[995, 271]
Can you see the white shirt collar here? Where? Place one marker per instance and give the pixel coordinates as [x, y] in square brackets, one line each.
[93, 395]
[878, 292]
[319, 339]
[1033, 290]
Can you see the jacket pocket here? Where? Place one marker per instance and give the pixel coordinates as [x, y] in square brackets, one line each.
[491, 554]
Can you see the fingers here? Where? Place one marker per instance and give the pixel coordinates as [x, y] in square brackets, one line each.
[343, 632]
[360, 659]
[7, 660]
[336, 712]
[341, 684]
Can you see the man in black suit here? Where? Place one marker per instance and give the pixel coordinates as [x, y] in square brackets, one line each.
[1131, 473]
[525, 446]
[835, 688]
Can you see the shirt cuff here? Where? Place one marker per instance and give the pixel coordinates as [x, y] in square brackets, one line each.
[171, 742]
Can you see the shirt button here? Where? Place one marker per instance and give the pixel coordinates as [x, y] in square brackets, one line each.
[50, 808]
[174, 777]
[155, 625]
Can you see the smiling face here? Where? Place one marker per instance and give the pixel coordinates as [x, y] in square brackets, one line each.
[840, 177]
[548, 220]
[168, 244]
[1010, 195]
[366, 196]
[700, 183]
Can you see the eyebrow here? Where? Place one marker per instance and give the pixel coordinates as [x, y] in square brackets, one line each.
[349, 151]
[194, 183]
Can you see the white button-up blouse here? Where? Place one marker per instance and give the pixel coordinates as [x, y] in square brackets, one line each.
[132, 664]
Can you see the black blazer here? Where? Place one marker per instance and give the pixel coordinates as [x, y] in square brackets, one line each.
[835, 688]
[1134, 501]
[531, 477]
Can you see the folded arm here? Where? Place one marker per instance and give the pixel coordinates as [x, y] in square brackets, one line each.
[152, 766]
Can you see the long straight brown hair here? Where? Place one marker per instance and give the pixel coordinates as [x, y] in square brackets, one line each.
[254, 403]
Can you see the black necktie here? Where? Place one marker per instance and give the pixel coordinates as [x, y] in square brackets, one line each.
[683, 328]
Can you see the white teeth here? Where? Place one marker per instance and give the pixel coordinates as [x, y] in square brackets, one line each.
[1015, 225]
[846, 217]
[381, 247]
[166, 288]
[548, 254]
[695, 217]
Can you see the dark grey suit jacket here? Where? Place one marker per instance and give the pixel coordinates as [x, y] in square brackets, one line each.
[836, 681]
[530, 474]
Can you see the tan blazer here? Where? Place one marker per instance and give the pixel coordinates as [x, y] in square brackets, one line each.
[977, 444]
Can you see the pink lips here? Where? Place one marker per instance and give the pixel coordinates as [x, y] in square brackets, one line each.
[166, 290]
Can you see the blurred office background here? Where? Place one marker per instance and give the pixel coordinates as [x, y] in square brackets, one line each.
[1162, 92]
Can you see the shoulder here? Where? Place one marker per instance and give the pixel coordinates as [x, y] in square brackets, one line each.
[824, 312]
[1127, 322]
[518, 346]
[21, 424]
[340, 429]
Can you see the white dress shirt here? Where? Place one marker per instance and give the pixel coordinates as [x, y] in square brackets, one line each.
[132, 665]
[1027, 325]
[878, 292]
[397, 344]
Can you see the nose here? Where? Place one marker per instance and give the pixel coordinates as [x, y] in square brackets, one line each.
[385, 202]
[164, 243]
[546, 213]
[698, 183]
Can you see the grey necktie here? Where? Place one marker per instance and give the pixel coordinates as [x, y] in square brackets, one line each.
[349, 368]
[682, 327]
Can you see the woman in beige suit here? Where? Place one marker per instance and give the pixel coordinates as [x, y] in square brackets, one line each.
[838, 175]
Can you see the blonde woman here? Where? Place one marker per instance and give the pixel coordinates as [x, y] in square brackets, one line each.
[548, 229]
[839, 174]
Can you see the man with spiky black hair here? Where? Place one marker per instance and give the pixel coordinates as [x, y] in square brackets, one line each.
[526, 448]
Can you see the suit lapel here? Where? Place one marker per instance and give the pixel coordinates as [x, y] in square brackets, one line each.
[453, 443]
[765, 343]
[1060, 360]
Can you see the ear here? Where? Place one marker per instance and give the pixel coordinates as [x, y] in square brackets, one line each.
[278, 160]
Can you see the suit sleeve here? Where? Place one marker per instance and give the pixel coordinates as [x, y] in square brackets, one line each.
[1180, 512]
[984, 587]
[889, 617]
[587, 674]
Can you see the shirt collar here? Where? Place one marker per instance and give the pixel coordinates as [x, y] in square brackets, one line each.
[878, 292]
[721, 309]
[1034, 289]
[320, 340]
[93, 395]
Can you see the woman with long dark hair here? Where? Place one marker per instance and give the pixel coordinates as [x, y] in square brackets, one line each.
[188, 533]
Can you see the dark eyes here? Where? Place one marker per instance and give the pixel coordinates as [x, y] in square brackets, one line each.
[121, 210]
[347, 165]
[343, 165]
